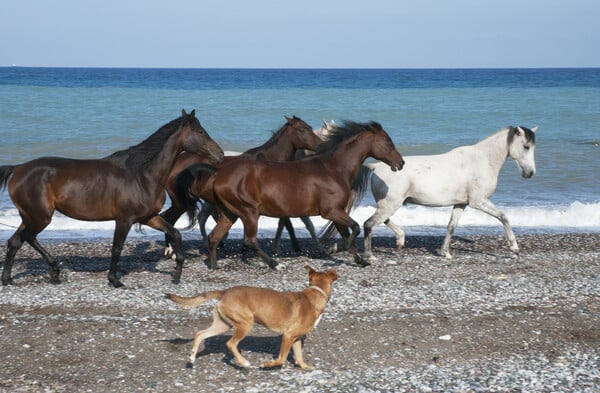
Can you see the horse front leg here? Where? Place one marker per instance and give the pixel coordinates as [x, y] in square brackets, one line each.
[457, 212]
[171, 215]
[313, 234]
[488, 207]
[290, 228]
[54, 270]
[277, 239]
[343, 222]
[158, 223]
[121, 230]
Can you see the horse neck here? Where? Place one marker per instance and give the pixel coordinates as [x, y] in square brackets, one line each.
[495, 148]
[159, 167]
[278, 148]
[347, 158]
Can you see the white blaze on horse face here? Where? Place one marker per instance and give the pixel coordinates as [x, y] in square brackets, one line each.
[523, 152]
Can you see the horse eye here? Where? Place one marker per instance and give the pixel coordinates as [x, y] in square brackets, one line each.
[526, 147]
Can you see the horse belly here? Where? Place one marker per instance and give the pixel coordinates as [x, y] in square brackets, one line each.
[431, 184]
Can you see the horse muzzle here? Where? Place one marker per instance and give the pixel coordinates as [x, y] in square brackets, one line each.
[528, 173]
[396, 166]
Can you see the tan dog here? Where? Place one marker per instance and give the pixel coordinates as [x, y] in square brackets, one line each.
[293, 314]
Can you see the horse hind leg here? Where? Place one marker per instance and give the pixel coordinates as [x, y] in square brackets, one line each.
[28, 232]
[14, 244]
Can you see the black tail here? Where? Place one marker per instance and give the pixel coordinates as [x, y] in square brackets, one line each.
[6, 172]
[184, 188]
[357, 193]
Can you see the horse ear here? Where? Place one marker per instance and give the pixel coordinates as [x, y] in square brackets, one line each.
[183, 114]
[193, 113]
[534, 129]
[287, 118]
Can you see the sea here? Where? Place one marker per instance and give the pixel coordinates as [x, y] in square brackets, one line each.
[92, 112]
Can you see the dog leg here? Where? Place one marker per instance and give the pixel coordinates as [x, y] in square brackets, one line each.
[218, 327]
[298, 357]
[240, 331]
[286, 344]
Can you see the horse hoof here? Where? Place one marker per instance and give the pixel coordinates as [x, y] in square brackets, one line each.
[363, 263]
[116, 283]
[176, 277]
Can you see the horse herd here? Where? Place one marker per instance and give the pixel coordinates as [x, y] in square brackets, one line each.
[276, 179]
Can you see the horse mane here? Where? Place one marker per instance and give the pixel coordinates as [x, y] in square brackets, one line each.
[136, 157]
[529, 134]
[343, 132]
[271, 140]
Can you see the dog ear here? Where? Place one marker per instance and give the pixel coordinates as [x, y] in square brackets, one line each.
[310, 269]
[332, 274]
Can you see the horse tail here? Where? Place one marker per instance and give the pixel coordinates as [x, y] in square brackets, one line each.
[358, 189]
[184, 188]
[194, 301]
[6, 172]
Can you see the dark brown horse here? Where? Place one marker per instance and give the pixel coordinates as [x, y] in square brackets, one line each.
[127, 186]
[315, 185]
[295, 134]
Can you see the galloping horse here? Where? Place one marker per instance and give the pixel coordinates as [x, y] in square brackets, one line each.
[127, 187]
[322, 133]
[315, 185]
[466, 175]
[295, 134]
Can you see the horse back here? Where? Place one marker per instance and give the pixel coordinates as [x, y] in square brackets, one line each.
[279, 189]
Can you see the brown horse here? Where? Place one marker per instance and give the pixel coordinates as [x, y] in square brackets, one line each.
[315, 185]
[295, 134]
[127, 186]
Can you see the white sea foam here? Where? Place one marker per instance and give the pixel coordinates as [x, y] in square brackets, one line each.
[576, 217]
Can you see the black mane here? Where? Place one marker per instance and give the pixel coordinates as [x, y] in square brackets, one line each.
[135, 158]
[529, 135]
[343, 132]
[271, 140]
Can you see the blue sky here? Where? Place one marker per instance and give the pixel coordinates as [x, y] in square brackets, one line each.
[307, 33]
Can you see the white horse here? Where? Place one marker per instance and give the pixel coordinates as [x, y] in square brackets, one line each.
[466, 175]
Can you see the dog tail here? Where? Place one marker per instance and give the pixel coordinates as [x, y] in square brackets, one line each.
[194, 301]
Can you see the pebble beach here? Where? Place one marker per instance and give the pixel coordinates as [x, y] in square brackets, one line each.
[412, 321]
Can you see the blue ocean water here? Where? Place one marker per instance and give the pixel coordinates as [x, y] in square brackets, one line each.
[88, 112]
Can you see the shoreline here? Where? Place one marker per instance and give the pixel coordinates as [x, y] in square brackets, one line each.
[413, 321]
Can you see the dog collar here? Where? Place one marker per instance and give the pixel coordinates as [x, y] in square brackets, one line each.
[321, 291]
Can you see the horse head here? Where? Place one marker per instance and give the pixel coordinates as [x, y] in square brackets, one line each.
[382, 147]
[326, 129]
[521, 147]
[196, 140]
[301, 134]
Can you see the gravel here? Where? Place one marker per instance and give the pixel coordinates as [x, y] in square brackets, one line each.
[413, 321]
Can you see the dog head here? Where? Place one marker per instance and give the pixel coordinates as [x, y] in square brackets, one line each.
[321, 279]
